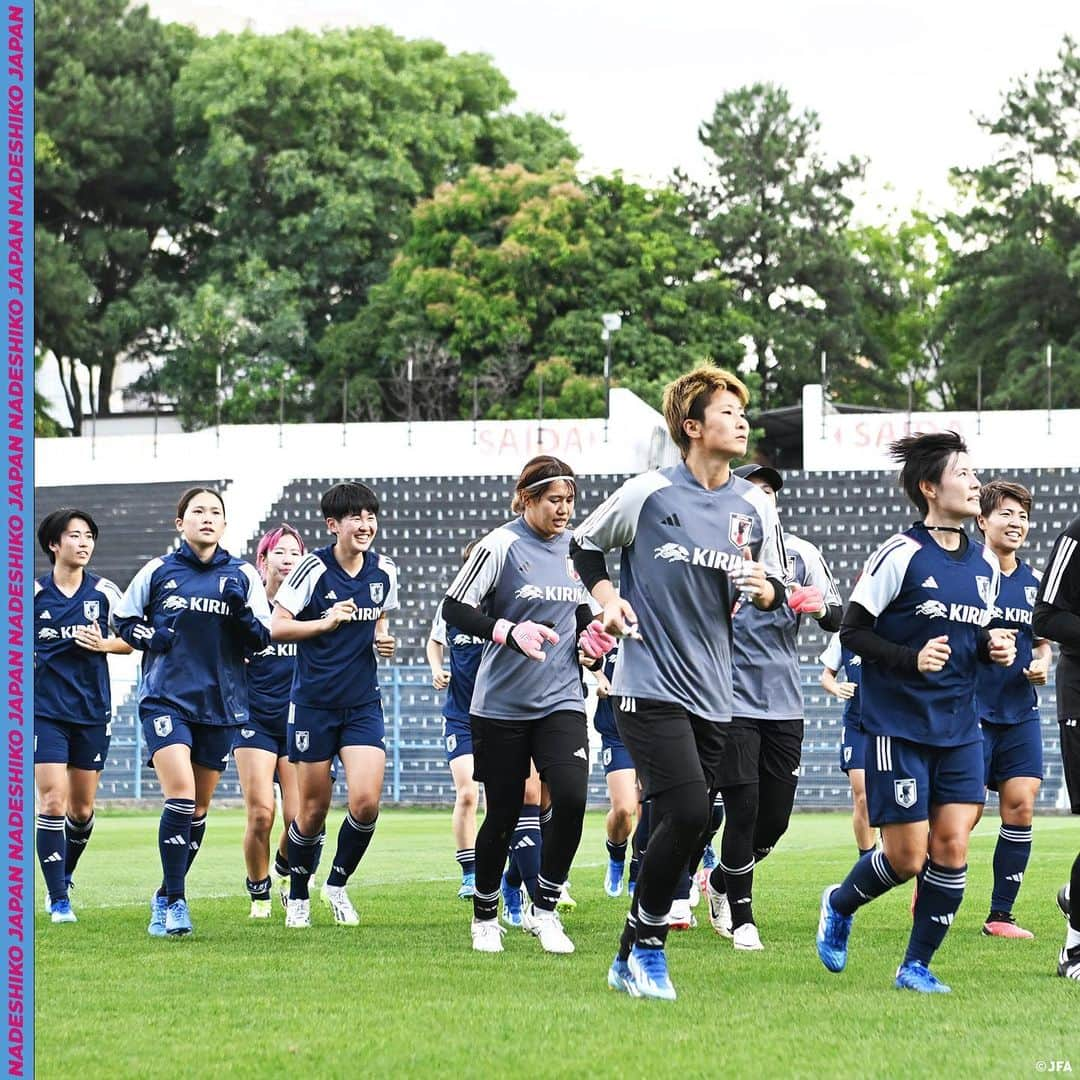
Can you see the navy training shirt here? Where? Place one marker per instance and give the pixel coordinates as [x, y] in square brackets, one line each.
[270, 677]
[71, 684]
[203, 677]
[1004, 695]
[916, 590]
[838, 657]
[338, 669]
[465, 652]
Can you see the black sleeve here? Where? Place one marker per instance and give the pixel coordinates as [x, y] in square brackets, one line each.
[779, 594]
[1057, 625]
[583, 616]
[467, 618]
[830, 621]
[591, 566]
[857, 634]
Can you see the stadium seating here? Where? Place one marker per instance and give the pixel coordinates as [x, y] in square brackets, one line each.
[425, 522]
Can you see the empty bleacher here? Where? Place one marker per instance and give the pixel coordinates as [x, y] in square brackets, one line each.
[425, 521]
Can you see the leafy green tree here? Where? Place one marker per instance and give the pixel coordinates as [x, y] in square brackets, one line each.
[305, 154]
[1014, 285]
[775, 214]
[104, 156]
[509, 268]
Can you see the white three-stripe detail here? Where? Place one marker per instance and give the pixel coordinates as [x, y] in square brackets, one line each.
[1057, 568]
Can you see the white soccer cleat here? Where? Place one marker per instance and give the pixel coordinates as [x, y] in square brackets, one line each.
[487, 935]
[695, 893]
[261, 909]
[282, 884]
[680, 917]
[337, 900]
[719, 911]
[747, 938]
[566, 901]
[297, 914]
[548, 928]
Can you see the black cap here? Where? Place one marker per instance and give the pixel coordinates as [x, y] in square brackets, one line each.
[766, 472]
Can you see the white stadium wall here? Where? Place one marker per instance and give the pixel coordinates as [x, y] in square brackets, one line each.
[1015, 439]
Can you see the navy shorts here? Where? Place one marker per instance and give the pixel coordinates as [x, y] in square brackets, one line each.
[210, 743]
[852, 748]
[904, 779]
[79, 746]
[613, 755]
[457, 737]
[318, 734]
[255, 735]
[1011, 750]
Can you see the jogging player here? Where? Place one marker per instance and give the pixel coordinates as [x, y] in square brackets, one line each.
[73, 615]
[918, 617]
[1007, 702]
[763, 744]
[694, 539]
[519, 592]
[1057, 617]
[334, 605]
[260, 750]
[196, 614]
[833, 660]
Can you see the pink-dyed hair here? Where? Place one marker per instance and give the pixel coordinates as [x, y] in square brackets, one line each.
[270, 540]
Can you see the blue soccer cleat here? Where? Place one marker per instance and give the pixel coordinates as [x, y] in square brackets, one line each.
[708, 858]
[178, 919]
[648, 970]
[620, 979]
[613, 878]
[511, 912]
[158, 907]
[61, 912]
[832, 933]
[468, 887]
[913, 975]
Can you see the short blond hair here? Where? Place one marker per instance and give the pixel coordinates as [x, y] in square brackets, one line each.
[686, 398]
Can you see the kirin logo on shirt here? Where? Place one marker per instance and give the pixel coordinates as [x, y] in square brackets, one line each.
[1030, 592]
[47, 633]
[91, 610]
[377, 593]
[672, 553]
[932, 609]
[530, 592]
[983, 585]
[740, 529]
[174, 603]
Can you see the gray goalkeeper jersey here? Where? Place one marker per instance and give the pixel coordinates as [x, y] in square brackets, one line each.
[767, 682]
[515, 574]
[679, 544]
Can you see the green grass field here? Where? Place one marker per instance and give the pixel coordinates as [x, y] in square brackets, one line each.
[403, 994]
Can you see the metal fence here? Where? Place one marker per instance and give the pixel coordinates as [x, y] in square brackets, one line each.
[417, 773]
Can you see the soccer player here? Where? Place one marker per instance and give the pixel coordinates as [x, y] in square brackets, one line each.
[465, 651]
[72, 701]
[519, 592]
[1007, 702]
[835, 659]
[693, 539]
[918, 618]
[1057, 617]
[196, 614]
[261, 749]
[334, 605]
[620, 777]
[763, 744]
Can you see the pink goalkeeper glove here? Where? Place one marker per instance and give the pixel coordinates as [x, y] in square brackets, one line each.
[807, 600]
[526, 637]
[594, 641]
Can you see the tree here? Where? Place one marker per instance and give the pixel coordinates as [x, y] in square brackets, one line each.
[508, 269]
[305, 154]
[1014, 285]
[775, 213]
[104, 154]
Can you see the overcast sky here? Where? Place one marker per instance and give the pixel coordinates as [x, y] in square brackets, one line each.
[898, 83]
